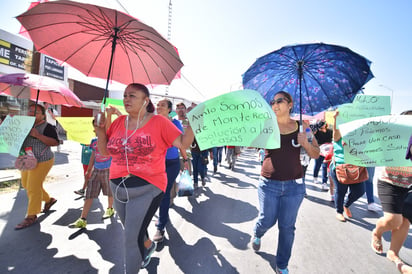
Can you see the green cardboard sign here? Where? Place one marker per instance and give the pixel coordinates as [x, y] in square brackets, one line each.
[238, 118]
[13, 131]
[118, 103]
[364, 106]
[377, 141]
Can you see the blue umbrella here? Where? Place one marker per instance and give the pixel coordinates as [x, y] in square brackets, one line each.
[317, 76]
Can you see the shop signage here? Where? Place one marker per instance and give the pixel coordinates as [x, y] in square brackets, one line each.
[15, 56]
[52, 68]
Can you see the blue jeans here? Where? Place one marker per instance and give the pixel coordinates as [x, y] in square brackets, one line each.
[172, 170]
[319, 163]
[369, 185]
[279, 202]
[355, 192]
[217, 155]
[198, 166]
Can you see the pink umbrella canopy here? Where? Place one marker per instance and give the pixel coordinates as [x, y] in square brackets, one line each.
[38, 88]
[101, 42]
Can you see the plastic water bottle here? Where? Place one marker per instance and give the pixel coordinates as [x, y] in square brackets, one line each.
[309, 135]
[304, 157]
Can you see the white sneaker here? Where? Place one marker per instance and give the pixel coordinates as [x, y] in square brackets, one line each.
[374, 207]
[315, 180]
[324, 187]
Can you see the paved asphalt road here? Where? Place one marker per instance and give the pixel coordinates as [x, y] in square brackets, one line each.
[208, 233]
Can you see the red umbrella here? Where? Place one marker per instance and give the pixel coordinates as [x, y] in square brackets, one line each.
[101, 42]
[38, 88]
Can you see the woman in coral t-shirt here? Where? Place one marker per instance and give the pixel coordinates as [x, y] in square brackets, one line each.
[138, 143]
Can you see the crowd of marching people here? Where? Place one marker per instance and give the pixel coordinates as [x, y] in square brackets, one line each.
[136, 159]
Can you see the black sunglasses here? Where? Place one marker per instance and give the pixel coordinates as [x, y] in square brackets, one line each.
[278, 101]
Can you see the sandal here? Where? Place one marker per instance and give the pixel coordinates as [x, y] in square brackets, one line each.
[376, 243]
[399, 264]
[347, 211]
[28, 221]
[340, 217]
[48, 205]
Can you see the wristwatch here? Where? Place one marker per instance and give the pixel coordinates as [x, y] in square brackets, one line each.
[184, 160]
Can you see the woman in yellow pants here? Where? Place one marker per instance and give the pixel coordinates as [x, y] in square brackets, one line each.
[41, 137]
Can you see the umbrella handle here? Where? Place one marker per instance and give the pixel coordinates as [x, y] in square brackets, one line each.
[295, 145]
[293, 140]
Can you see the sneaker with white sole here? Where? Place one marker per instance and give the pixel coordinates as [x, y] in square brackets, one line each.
[315, 180]
[149, 253]
[79, 192]
[109, 213]
[374, 207]
[80, 223]
[159, 236]
[324, 187]
[256, 243]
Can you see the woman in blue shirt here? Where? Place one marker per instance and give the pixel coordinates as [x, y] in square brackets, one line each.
[164, 107]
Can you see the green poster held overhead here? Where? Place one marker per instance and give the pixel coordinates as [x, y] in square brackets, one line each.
[377, 141]
[13, 131]
[364, 106]
[238, 118]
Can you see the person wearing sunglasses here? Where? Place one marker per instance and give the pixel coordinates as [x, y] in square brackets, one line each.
[281, 189]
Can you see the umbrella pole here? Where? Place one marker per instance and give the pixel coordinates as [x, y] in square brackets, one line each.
[37, 100]
[300, 73]
[116, 30]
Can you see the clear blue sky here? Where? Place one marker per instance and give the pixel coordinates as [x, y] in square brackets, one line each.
[219, 39]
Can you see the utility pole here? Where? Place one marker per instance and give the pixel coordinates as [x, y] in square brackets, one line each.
[169, 33]
[391, 90]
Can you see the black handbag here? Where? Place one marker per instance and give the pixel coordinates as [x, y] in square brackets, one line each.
[205, 160]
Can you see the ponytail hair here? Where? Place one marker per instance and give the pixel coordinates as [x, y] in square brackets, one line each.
[150, 107]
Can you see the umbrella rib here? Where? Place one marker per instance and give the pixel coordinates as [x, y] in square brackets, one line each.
[161, 56]
[172, 53]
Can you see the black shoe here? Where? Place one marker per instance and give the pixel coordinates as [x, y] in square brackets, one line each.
[203, 181]
[215, 169]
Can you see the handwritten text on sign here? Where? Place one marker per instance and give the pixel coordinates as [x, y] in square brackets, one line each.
[364, 106]
[13, 131]
[79, 129]
[239, 118]
[377, 141]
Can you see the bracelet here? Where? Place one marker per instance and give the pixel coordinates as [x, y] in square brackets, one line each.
[185, 160]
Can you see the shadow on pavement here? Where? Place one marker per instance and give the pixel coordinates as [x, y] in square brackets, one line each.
[230, 211]
[202, 257]
[26, 250]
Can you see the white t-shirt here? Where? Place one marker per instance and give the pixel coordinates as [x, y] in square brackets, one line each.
[49, 117]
